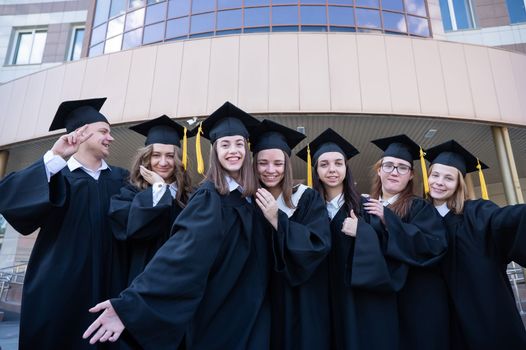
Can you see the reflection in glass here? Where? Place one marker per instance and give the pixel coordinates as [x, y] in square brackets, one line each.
[463, 15]
[314, 2]
[132, 39]
[177, 27]
[446, 15]
[178, 8]
[367, 3]
[113, 44]
[284, 15]
[199, 6]
[153, 33]
[23, 49]
[395, 5]
[341, 2]
[516, 10]
[418, 26]
[394, 21]
[134, 19]
[229, 19]
[154, 1]
[155, 13]
[416, 7]
[202, 23]
[135, 4]
[118, 7]
[341, 16]
[313, 15]
[101, 12]
[96, 50]
[229, 4]
[76, 44]
[258, 16]
[368, 18]
[115, 27]
[257, 3]
[284, 2]
[98, 34]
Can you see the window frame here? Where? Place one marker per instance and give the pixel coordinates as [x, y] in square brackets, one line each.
[17, 35]
[73, 34]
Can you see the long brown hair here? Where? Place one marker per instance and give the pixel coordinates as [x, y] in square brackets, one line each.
[456, 201]
[351, 196]
[179, 176]
[287, 183]
[216, 173]
[403, 203]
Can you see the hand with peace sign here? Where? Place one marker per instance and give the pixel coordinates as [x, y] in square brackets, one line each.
[69, 144]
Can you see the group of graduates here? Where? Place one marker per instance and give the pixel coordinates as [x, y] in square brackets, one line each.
[249, 260]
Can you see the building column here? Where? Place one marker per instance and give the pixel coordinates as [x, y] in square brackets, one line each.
[504, 164]
[4, 156]
[513, 167]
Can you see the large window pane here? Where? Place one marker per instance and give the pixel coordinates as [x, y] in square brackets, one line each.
[37, 51]
[341, 16]
[178, 8]
[394, 21]
[256, 17]
[395, 5]
[516, 11]
[153, 33]
[23, 50]
[313, 15]
[229, 4]
[229, 19]
[367, 3]
[115, 27]
[134, 19]
[257, 2]
[418, 26]
[113, 44]
[446, 15]
[416, 7]
[316, 2]
[117, 7]
[177, 27]
[284, 15]
[199, 6]
[462, 14]
[132, 39]
[98, 34]
[368, 18]
[101, 12]
[155, 13]
[284, 2]
[133, 4]
[341, 2]
[76, 44]
[202, 23]
[96, 50]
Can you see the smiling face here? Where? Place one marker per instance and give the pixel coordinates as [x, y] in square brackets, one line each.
[331, 169]
[393, 182]
[231, 153]
[271, 167]
[443, 182]
[99, 143]
[162, 160]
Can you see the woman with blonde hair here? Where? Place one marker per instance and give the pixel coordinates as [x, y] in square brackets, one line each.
[483, 239]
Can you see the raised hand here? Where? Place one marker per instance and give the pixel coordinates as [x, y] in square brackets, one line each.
[108, 325]
[268, 205]
[350, 224]
[150, 176]
[69, 144]
[375, 207]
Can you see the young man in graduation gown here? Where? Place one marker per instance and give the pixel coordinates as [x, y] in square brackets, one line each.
[70, 267]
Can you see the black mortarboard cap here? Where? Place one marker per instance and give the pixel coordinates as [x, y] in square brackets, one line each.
[161, 130]
[228, 120]
[453, 154]
[328, 141]
[273, 135]
[74, 114]
[399, 146]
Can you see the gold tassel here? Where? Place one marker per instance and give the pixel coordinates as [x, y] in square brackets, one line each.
[424, 172]
[198, 153]
[309, 167]
[483, 187]
[185, 149]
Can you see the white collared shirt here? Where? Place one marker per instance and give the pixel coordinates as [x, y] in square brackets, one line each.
[442, 209]
[295, 199]
[55, 163]
[334, 205]
[390, 200]
[158, 190]
[233, 185]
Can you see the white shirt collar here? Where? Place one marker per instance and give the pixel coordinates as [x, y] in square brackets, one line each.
[334, 205]
[233, 185]
[390, 200]
[442, 209]
[74, 164]
[295, 199]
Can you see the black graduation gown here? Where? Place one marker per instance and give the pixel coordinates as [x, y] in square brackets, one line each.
[144, 227]
[364, 283]
[300, 281]
[73, 263]
[419, 240]
[482, 241]
[209, 280]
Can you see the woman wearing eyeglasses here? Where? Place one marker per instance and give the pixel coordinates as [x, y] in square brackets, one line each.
[414, 234]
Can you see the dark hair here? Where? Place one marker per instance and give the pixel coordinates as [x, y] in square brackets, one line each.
[287, 183]
[179, 176]
[216, 173]
[351, 196]
[403, 203]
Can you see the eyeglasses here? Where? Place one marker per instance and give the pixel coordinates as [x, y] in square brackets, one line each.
[389, 167]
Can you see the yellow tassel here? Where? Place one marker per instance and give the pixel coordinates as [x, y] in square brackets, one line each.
[424, 172]
[185, 150]
[309, 167]
[198, 153]
[483, 187]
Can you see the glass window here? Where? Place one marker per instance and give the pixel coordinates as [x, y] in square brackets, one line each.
[177, 27]
[96, 50]
[118, 7]
[341, 2]
[29, 47]
[446, 16]
[368, 18]
[516, 11]
[395, 5]
[113, 44]
[134, 20]
[418, 26]
[202, 23]
[313, 15]
[229, 19]
[228, 32]
[257, 30]
[178, 8]
[342, 29]
[75, 47]
[133, 4]
[154, 1]
[284, 2]
[132, 39]
[286, 29]
[256, 17]
[284, 15]
[153, 33]
[367, 3]
[155, 13]
[416, 7]
[341, 16]
[257, 3]
[394, 21]
[98, 34]
[320, 2]
[229, 4]
[115, 27]
[200, 6]
[101, 12]
[463, 14]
